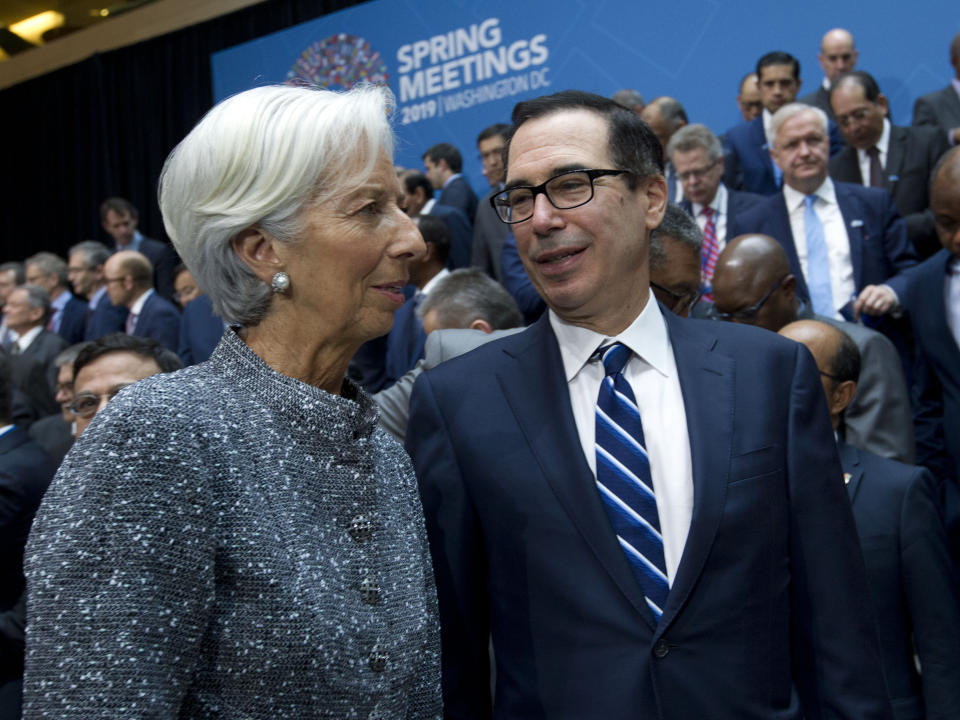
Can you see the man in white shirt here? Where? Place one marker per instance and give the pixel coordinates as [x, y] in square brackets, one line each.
[624, 499]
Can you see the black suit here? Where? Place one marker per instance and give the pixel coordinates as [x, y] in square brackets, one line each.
[911, 155]
[489, 233]
[34, 373]
[458, 193]
[820, 99]
[940, 108]
[54, 435]
[896, 508]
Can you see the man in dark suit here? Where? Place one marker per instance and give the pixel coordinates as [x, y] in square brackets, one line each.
[697, 156]
[200, 330]
[119, 219]
[68, 314]
[847, 244]
[754, 285]
[933, 302]
[31, 364]
[675, 246]
[54, 433]
[85, 272]
[941, 108]
[882, 155]
[443, 164]
[838, 54]
[749, 166]
[711, 569]
[419, 201]
[25, 473]
[897, 511]
[128, 275]
[488, 231]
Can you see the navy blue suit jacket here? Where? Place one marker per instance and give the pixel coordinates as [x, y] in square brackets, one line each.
[769, 612]
[200, 331]
[879, 248]
[164, 260]
[25, 473]
[517, 282]
[458, 194]
[106, 318]
[747, 162]
[897, 511]
[461, 234]
[405, 342]
[73, 321]
[159, 319]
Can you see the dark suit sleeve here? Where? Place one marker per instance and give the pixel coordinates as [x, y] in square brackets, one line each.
[897, 248]
[459, 560]
[930, 587]
[923, 113]
[928, 419]
[836, 652]
[517, 282]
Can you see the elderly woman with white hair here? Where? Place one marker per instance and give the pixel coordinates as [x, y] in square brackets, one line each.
[240, 539]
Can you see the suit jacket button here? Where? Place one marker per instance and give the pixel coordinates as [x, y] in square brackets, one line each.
[377, 659]
[361, 528]
[660, 649]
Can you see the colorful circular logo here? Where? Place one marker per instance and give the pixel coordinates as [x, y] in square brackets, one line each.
[338, 62]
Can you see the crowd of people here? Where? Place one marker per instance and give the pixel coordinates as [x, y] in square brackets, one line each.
[667, 424]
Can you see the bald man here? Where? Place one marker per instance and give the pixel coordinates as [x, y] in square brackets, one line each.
[748, 99]
[753, 284]
[128, 275]
[665, 115]
[933, 302]
[897, 513]
[838, 54]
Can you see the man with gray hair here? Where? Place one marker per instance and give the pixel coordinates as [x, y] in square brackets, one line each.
[629, 99]
[85, 272]
[665, 116]
[847, 244]
[697, 156]
[68, 314]
[675, 261]
[466, 309]
[31, 364]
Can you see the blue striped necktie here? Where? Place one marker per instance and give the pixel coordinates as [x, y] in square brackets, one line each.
[624, 481]
[818, 261]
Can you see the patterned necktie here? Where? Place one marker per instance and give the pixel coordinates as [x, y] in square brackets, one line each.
[818, 261]
[709, 253]
[624, 481]
[131, 323]
[876, 171]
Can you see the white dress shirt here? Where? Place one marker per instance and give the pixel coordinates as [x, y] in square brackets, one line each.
[951, 297]
[835, 232]
[137, 308]
[23, 342]
[432, 282]
[719, 206]
[652, 373]
[883, 145]
[768, 127]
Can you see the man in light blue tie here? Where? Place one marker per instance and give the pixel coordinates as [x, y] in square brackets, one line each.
[645, 513]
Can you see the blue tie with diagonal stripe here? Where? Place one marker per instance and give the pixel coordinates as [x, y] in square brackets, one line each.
[624, 481]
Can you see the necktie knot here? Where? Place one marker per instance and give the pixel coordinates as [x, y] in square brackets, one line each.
[614, 357]
[707, 212]
[810, 201]
[874, 152]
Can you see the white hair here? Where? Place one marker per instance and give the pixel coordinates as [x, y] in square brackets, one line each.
[792, 110]
[258, 159]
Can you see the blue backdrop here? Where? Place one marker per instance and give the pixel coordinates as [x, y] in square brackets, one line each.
[457, 67]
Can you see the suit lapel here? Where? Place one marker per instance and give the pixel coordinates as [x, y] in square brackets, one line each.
[706, 380]
[783, 233]
[852, 470]
[536, 391]
[896, 152]
[853, 221]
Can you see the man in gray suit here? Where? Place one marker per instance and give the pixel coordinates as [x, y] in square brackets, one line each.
[752, 284]
[465, 310]
[941, 108]
[488, 231]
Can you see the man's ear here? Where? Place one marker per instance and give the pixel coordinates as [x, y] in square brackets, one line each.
[842, 396]
[258, 252]
[654, 188]
[481, 325]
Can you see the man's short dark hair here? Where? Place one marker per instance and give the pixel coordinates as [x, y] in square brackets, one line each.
[445, 151]
[676, 224]
[845, 363]
[470, 294]
[778, 57]
[95, 253]
[149, 348]
[631, 143]
[497, 129]
[121, 206]
[434, 232]
[19, 273]
[863, 80]
[413, 179]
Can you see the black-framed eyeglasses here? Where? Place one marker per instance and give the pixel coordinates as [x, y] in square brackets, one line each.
[564, 191]
[747, 314]
[678, 303]
[86, 404]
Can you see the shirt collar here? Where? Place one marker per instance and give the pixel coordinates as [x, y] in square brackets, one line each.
[795, 198]
[718, 203]
[432, 282]
[138, 305]
[23, 342]
[61, 300]
[452, 178]
[883, 142]
[5, 429]
[97, 297]
[646, 337]
[956, 85]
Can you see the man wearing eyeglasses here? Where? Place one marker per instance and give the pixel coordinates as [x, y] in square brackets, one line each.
[106, 366]
[753, 285]
[645, 513]
[697, 156]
